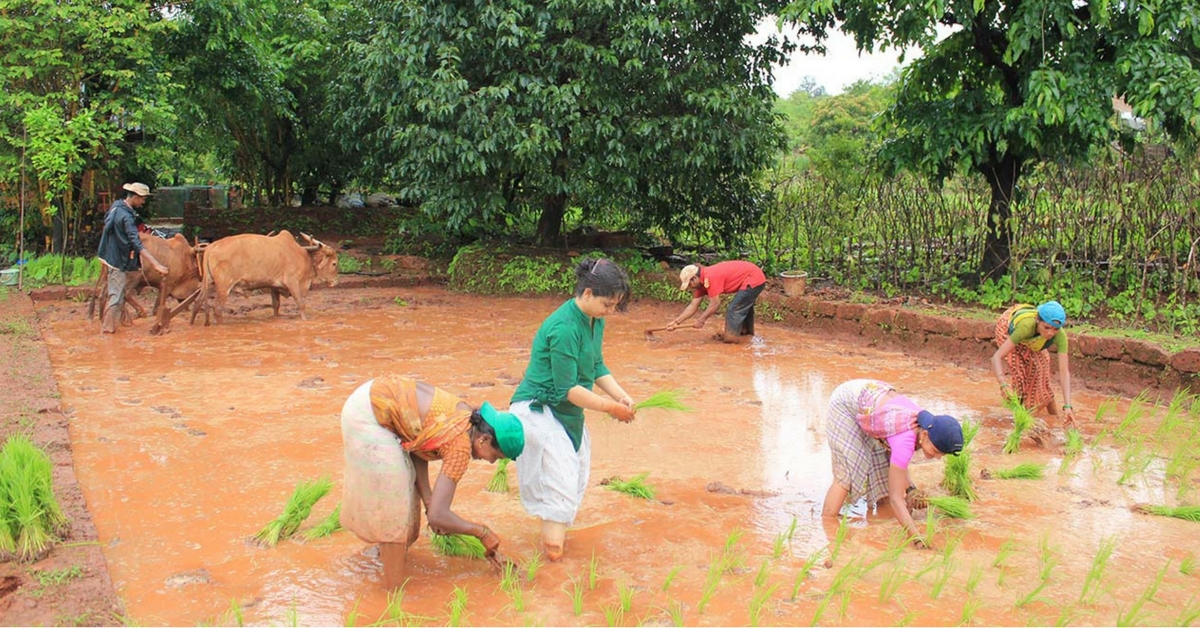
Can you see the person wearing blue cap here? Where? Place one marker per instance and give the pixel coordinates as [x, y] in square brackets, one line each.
[391, 428]
[873, 433]
[1024, 335]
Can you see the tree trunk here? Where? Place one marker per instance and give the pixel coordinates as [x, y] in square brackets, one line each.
[549, 227]
[1002, 177]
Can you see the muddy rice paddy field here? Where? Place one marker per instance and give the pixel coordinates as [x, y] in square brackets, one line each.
[185, 445]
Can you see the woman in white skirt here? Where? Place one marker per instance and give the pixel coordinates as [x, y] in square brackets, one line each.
[391, 428]
[564, 364]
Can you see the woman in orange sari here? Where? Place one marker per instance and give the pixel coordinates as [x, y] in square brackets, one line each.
[391, 428]
[1024, 337]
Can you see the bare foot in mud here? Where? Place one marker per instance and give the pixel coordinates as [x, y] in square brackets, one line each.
[1040, 433]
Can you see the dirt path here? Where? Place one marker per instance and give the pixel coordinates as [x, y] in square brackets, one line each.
[70, 586]
[188, 444]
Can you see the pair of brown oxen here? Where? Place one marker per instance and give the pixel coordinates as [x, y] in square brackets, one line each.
[249, 261]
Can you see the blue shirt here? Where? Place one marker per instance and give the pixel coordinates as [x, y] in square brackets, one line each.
[119, 242]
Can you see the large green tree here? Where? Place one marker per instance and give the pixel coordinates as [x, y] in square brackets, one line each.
[1019, 81]
[258, 74]
[485, 110]
[78, 91]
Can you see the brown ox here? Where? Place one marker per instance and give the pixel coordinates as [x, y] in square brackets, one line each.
[254, 261]
[182, 280]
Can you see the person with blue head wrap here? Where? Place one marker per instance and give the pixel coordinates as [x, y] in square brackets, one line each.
[1024, 336]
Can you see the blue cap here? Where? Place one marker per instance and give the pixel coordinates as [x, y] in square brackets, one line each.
[1052, 313]
[944, 431]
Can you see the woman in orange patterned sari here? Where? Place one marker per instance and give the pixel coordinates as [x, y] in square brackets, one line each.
[391, 428]
[1024, 336]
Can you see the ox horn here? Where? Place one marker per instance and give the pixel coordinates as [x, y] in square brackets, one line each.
[307, 238]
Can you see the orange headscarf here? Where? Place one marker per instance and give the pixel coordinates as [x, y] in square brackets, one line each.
[394, 400]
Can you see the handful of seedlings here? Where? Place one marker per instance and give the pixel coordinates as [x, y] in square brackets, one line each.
[328, 525]
[635, 486]
[457, 545]
[297, 509]
[1187, 513]
[1023, 471]
[955, 507]
[663, 400]
[1022, 421]
[499, 481]
[956, 471]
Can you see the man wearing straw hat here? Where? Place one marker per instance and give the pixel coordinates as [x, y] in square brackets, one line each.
[742, 279]
[122, 252]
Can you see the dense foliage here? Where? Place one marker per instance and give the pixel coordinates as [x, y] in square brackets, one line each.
[1016, 82]
[488, 111]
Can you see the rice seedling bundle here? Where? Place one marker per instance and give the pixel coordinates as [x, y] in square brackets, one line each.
[635, 486]
[297, 509]
[29, 513]
[457, 545]
[330, 524]
[499, 481]
[663, 400]
[955, 507]
[1188, 513]
[956, 472]
[1023, 471]
[1022, 421]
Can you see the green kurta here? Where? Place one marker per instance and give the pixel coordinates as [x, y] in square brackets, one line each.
[566, 353]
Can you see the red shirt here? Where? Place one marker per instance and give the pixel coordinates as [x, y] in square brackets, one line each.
[728, 277]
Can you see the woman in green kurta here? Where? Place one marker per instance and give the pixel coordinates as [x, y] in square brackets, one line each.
[564, 364]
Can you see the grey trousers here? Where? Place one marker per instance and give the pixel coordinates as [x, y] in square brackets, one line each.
[117, 280]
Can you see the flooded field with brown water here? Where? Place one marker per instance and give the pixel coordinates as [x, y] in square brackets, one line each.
[189, 443]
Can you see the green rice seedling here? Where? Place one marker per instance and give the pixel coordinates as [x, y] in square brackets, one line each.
[897, 542]
[790, 533]
[955, 507]
[805, 572]
[663, 400]
[839, 539]
[613, 615]
[635, 486]
[499, 481]
[236, 616]
[891, 583]
[842, 581]
[532, 566]
[297, 509]
[575, 592]
[330, 524]
[510, 584]
[819, 611]
[1091, 582]
[457, 610]
[1067, 617]
[778, 544]
[1138, 409]
[30, 516]
[711, 580]
[1187, 513]
[1006, 549]
[626, 593]
[593, 571]
[956, 471]
[1135, 459]
[1022, 421]
[973, 578]
[671, 577]
[1023, 471]
[394, 613]
[970, 607]
[675, 611]
[352, 616]
[931, 526]
[757, 601]
[457, 545]
[732, 557]
[1188, 613]
[948, 568]
[291, 617]
[1173, 418]
[1133, 616]
[764, 573]
[1048, 563]
[1188, 565]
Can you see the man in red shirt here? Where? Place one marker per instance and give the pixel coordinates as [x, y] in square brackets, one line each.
[744, 280]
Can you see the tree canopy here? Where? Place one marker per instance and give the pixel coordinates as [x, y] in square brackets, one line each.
[1019, 81]
[484, 111]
